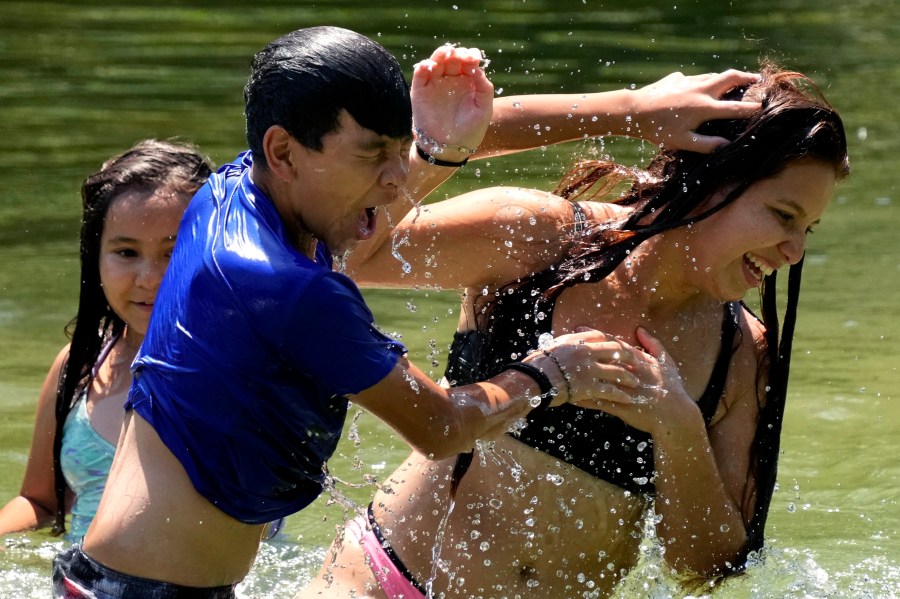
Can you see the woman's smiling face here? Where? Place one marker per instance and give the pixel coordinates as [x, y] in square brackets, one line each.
[761, 231]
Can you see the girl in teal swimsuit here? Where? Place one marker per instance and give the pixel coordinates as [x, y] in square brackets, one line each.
[557, 508]
[132, 207]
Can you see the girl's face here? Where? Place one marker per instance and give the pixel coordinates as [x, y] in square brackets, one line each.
[761, 231]
[138, 237]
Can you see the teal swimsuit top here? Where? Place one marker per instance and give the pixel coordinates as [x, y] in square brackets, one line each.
[86, 458]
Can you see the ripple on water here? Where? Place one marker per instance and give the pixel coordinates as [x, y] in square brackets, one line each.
[281, 569]
[25, 567]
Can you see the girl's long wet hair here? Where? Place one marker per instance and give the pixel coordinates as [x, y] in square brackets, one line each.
[675, 190]
[150, 166]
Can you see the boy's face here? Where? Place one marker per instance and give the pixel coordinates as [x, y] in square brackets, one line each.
[337, 190]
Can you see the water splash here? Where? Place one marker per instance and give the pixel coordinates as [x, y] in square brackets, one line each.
[397, 240]
[353, 430]
[775, 573]
[436, 564]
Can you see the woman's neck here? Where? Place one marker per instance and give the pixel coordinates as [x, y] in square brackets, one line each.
[655, 275]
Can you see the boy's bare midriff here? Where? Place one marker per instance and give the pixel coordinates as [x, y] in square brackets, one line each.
[151, 521]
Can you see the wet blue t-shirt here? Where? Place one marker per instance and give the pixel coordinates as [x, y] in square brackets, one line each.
[251, 347]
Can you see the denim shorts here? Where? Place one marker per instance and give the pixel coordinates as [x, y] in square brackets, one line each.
[77, 576]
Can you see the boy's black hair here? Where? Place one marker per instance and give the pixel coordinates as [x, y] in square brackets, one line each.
[303, 81]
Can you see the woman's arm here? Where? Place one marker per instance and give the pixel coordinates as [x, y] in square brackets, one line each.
[665, 113]
[483, 238]
[35, 506]
[452, 103]
[701, 475]
[700, 489]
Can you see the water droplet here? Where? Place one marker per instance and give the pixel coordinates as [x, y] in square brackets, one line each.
[556, 479]
[544, 340]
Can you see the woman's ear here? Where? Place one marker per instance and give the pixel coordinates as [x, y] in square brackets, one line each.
[278, 147]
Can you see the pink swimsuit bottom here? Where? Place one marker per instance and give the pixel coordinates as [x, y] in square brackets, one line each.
[395, 580]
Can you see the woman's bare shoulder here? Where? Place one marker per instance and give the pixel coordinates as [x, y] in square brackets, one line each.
[746, 374]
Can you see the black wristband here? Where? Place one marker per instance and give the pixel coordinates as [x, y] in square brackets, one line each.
[548, 391]
[432, 160]
[562, 371]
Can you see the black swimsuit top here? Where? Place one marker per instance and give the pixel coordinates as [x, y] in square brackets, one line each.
[591, 440]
